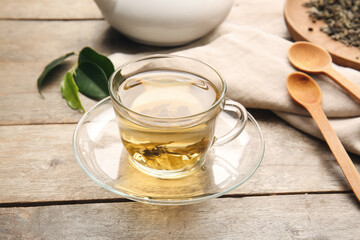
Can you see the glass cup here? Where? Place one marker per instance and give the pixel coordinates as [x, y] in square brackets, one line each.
[166, 108]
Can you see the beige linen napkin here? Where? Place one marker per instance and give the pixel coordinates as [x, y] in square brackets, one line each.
[255, 66]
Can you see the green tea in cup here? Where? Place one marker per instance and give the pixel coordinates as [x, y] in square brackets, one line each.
[166, 107]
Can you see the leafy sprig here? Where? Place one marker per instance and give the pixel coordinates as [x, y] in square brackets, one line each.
[89, 76]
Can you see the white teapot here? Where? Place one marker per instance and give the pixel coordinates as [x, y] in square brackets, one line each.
[164, 22]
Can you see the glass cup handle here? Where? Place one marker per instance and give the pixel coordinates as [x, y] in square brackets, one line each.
[242, 117]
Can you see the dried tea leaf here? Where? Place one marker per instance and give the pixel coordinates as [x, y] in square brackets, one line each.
[342, 18]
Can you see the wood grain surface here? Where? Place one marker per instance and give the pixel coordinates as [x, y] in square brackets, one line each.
[49, 10]
[327, 216]
[299, 23]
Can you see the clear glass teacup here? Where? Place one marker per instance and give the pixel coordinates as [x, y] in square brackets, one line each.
[166, 108]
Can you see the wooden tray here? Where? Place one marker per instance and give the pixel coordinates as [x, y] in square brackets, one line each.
[298, 23]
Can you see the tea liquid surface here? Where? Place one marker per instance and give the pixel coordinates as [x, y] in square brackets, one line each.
[167, 94]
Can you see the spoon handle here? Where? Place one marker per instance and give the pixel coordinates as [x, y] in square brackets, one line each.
[336, 147]
[348, 85]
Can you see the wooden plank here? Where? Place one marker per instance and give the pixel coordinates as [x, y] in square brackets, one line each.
[325, 216]
[37, 164]
[44, 9]
[26, 48]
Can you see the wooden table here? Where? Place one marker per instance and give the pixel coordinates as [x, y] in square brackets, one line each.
[299, 192]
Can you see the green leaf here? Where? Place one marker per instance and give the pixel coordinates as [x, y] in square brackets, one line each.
[70, 92]
[91, 80]
[48, 69]
[89, 55]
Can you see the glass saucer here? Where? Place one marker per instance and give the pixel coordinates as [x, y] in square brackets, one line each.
[100, 153]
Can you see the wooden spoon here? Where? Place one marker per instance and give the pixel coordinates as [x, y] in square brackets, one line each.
[304, 90]
[311, 58]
